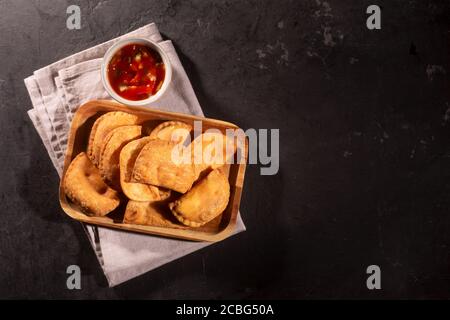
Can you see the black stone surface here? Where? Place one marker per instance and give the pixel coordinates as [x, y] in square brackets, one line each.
[364, 119]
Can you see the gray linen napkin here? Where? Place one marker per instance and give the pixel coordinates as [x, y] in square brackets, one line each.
[56, 91]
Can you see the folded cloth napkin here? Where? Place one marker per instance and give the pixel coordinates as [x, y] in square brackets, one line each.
[56, 91]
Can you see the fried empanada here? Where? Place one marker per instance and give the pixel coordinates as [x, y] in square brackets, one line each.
[175, 131]
[102, 127]
[114, 142]
[159, 164]
[134, 190]
[211, 150]
[206, 200]
[154, 214]
[84, 186]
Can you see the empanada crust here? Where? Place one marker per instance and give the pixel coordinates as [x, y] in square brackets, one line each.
[84, 186]
[156, 165]
[135, 190]
[102, 126]
[109, 159]
[154, 214]
[175, 131]
[207, 154]
[206, 200]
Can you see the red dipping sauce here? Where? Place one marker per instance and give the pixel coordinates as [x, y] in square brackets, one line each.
[136, 72]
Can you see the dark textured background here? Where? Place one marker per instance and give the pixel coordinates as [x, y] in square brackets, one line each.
[365, 123]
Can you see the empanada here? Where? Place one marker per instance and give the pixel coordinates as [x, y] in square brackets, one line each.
[175, 131]
[154, 214]
[114, 142]
[102, 126]
[84, 186]
[206, 200]
[159, 163]
[211, 150]
[134, 190]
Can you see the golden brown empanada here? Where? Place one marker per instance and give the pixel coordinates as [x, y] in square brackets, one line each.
[134, 190]
[102, 126]
[153, 213]
[83, 185]
[159, 163]
[175, 131]
[206, 200]
[109, 159]
[210, 151]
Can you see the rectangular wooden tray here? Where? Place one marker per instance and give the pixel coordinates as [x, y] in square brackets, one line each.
[216, 230]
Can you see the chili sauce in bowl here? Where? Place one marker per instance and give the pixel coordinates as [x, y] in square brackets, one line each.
[135, 71]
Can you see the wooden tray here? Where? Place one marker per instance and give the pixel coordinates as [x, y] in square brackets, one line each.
[216, 230]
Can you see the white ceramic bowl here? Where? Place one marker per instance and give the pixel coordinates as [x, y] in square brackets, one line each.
[116, 47]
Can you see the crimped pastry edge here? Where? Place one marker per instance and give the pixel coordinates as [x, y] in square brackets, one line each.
[90, 148]
[166, 124]
[182, 219]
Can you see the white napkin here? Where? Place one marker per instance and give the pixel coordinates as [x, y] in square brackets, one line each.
[56, 91]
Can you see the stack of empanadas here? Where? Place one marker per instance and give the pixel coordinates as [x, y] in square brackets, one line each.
[166, 182]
